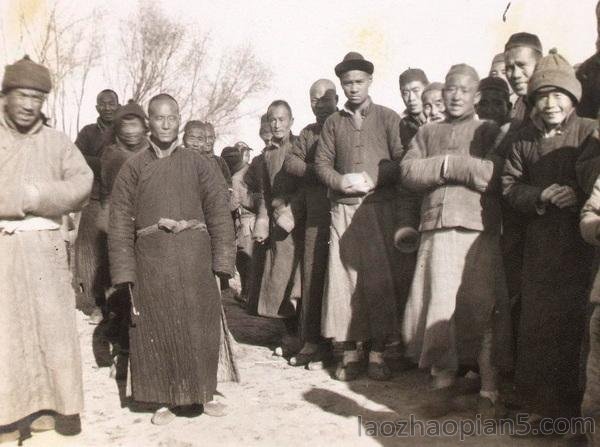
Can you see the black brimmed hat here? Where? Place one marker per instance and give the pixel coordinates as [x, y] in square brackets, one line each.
[354, 61]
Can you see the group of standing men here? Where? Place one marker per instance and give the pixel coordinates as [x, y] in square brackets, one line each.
[448, 237]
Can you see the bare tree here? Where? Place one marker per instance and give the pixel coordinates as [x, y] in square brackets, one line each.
[159, 54]
[65, 47]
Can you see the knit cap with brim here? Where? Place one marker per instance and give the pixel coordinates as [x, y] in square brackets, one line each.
[26, 74]
[130, 109]
[411, 75]
[555, 71]
[354, 61]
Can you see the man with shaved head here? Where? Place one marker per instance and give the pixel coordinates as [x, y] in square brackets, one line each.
[278, 225]
[300, 162]
[89, 275]
[459, 276]
[200, 136]
[170, 233]
[367, 280]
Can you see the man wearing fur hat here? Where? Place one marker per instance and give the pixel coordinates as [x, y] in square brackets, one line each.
[43, 176]
[550, 171]
[367, 280]
[412, 83]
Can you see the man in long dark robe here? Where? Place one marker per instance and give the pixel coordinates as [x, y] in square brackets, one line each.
[90, 277]
[547, 177]
[280, 285]
[170, 232]
[251, 180]
[300, 162]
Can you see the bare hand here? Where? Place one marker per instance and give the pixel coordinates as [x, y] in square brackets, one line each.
[548, 193]
[359, 183]
[565, 198]
[260, 239]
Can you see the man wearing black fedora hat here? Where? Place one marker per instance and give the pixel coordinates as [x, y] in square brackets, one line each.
[357, 159]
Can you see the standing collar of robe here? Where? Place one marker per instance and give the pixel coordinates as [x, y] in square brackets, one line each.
[102, 125]
[278, 144]
[418, 120]
[461, 119]
[363, 109]
[163, 153]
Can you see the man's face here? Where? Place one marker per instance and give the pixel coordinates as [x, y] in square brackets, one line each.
[246, 156]
[553, 106]
[164, 120]
[498, 70]
[280, 121]
[106, 106]
[433, 106]
[355, 84]
[520, 64]
[265, 133]
[493, 105]
[131, 130]
[24, 107]
[200, 139]
[411, 95]
[460, 93]
[323, 102]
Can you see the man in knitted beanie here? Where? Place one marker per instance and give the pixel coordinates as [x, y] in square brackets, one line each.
[412, 83]
[43, 176]
[547, 176]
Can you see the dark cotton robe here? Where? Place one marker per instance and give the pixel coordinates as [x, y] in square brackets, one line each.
[556, 261]
[174, 341]
[280, 286]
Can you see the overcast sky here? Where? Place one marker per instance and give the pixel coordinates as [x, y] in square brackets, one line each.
[303, 40]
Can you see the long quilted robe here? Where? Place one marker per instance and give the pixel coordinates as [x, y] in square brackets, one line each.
[175, 331]
[40, 366]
